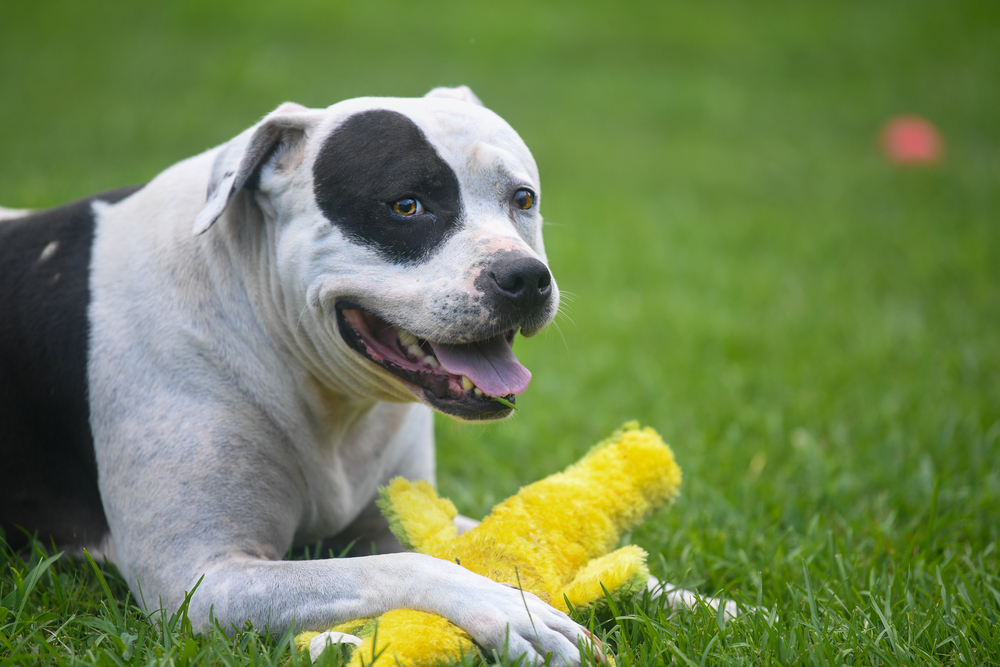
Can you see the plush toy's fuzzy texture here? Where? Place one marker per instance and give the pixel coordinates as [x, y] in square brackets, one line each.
[554, 539]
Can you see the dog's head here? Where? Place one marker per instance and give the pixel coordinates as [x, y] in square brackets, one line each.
[404, 243]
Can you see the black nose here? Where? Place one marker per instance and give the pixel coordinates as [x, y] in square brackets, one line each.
[522, 281]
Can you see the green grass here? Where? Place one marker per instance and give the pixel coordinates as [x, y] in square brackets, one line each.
[816, 332]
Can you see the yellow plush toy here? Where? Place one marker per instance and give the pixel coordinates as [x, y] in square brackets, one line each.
[554, 539]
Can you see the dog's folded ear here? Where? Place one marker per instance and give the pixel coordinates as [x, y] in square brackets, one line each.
[463, 93]
[239, 163]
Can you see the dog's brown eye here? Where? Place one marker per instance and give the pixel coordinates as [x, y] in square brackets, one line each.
[524, 199]
[408, 207]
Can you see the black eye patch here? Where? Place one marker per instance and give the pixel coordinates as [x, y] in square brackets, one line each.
[373, 160]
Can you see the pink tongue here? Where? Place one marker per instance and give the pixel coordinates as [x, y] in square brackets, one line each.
[490, 364]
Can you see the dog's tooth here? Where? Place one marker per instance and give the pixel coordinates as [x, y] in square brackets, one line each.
[432, 361]
[478, 392]
[405, 337]
[467, 383]
[415, 350]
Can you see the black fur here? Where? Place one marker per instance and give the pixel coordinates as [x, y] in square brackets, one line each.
[48, 476]
[374, 159]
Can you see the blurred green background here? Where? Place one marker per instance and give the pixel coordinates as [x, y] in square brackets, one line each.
[816, 331]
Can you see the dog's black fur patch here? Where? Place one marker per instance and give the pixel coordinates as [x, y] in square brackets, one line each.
[49, 479]
[374, 159]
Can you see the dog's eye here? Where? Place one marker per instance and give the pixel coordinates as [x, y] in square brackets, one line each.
[408, 207]
[524, 199]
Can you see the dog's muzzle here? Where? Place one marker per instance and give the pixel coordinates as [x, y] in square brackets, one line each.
[462, 378]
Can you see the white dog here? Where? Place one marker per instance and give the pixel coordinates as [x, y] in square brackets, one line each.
[199, 373]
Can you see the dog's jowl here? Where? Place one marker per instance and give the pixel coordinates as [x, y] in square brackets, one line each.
[198, 374]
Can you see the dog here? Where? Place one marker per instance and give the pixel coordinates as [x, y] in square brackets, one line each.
[198, 373]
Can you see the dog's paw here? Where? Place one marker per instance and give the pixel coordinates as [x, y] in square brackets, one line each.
[319, 643]
[506, 620]
[679, 598]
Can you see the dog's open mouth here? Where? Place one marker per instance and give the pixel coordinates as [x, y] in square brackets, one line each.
[460, 380]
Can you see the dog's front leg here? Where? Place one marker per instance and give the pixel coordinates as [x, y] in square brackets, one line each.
[318, 594]
[188, 503]
[680, 598]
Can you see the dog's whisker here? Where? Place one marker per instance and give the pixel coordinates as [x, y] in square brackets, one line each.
[298, 320]
[564, 314]
[569, 296]
[564, 309]
[558, 329]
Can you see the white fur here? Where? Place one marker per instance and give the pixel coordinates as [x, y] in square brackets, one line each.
[230, 418]
[319, 643]
[10, 213]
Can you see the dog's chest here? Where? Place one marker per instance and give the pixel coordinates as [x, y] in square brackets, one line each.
[356, 453]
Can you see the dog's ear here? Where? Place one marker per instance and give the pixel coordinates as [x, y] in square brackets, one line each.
[239, 163]
[463, 93]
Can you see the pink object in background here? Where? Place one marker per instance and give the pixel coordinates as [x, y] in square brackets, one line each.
[911, 140]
